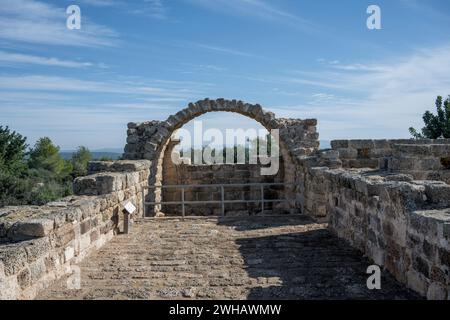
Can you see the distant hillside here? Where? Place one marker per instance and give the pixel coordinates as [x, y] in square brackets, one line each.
[96, 154]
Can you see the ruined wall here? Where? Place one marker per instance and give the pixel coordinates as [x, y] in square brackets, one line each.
[146, 140]
[375, 153]
[149, 140]
[400, 224]
[422, 161]
[40, 244]
[221, 174]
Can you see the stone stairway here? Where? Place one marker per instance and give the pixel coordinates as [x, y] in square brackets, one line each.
[278, 257]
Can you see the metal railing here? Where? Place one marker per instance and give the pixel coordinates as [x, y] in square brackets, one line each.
[222, 200]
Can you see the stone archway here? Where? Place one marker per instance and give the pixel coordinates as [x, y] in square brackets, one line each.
[148, 140]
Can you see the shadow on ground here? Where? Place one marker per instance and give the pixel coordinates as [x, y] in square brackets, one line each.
[256, 222]
[313, 264]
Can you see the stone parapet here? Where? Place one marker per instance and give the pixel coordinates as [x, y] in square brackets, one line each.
[41, 244]
[400, 223]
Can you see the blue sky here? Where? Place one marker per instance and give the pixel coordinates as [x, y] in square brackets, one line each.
[146, 59]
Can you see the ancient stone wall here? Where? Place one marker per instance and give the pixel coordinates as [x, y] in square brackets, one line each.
[149, 140]
[221, 174]
[40, 244]
[403, 226]
[375, 153]
[145, 140]
[422, 161]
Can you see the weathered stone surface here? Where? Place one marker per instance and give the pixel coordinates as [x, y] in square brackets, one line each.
[37, 248]
[118, 166]
[63, 231]
[13, 257]
[34, 228]
[143, 143]
[287, 257]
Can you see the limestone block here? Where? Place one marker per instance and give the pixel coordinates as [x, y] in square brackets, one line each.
[361, 144]
[37, 270]
[339, 144]
[382, 144]
[436, 291]
[347, 153]
[24, 278]
[8, 286]
[33, 228]
[440, 150]
[132, 125]
[37, 248]
[13, 257]
[438, 193]
[69, 253]
[64, 235]
[73, 214]
[411, 150]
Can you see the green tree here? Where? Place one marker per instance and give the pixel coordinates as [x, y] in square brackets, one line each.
[45, 157]
[13, 169]
[12, 150]
[80, 161]
[436, 126]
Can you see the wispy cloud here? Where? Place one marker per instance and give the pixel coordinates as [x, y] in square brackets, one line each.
[39, 22]
[384, 97]
[9, 58]
[224, 50]
[257, 8]
[43, 83]
[151, 8]
[103, 3]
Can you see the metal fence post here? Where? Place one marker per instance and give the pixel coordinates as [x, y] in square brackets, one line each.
[182, 203]
[222, 196]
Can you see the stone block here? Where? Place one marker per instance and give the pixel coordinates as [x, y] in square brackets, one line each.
[37, 248]
[64, 235]
[339, 144]
[69, 253]
[436, 291]
[33, 228]
[85, 226]
[347, 153]
[24, 278]
[382, 144]
[37, 270]
[361, 144]
[417, 282]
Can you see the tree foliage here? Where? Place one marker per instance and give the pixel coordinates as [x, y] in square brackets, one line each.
[39, 175]
[80, 161]
[12, 150]
[436, 126]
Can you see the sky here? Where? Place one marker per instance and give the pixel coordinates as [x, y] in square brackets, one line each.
[143, 60]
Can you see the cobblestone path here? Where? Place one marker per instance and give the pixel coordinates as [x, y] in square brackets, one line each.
[282, 257]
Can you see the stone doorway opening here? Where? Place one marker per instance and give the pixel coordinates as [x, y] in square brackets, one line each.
[233, 173]
[297, 139]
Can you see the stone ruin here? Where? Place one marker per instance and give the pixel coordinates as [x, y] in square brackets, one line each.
[390, 199]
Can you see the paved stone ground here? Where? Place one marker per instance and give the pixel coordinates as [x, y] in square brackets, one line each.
[283, 257]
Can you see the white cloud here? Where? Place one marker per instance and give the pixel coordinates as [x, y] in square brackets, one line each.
[42, 83]
[18, 58]
[152, 8]
[378, 99]
[103, 3]
[39, 22]
[256, 8]
[223, 50]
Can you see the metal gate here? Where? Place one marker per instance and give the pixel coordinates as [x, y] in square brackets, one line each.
[222, 200]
